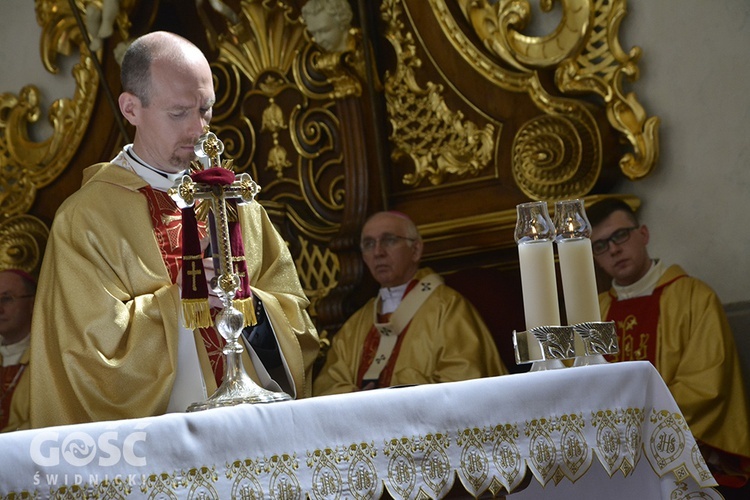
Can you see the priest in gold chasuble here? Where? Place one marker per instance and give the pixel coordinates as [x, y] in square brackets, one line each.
[416, 331]
[111, 341]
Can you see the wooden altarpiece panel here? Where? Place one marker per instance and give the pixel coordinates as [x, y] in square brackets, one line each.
[443, 109]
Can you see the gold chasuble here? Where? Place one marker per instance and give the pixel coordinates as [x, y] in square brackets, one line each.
[682, 329]
[445, 341]
[167, 221]
[104, 343]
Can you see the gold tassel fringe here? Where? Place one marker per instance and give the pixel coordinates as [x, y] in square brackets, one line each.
[245, 306]
[197, 313]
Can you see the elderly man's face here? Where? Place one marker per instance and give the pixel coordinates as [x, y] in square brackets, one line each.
[390, 254]
[16, 305]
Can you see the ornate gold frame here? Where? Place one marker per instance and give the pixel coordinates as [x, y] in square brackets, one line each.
[587, 59]
[28, 165]
[267, 46]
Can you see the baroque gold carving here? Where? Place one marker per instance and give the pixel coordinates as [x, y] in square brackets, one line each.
[26, 164]
[498, 27]
[600, 68]
[266, 38]
[577, 152]
[22, 242]
[273, 121]
[438, 140]
[332, 75]
[268, 73]
[555, 156]
[589, 59]
[318, 268]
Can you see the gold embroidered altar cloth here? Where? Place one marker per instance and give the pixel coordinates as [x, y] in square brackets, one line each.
[604, 431]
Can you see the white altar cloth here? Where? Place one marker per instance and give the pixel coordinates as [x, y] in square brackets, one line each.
[605, 431]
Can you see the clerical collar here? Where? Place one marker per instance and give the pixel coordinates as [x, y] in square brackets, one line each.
[157, 179]
[390, 297]
[644, 286]
[11, 354]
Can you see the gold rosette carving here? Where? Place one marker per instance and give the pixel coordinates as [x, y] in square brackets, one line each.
[22, 242]
[584, 50]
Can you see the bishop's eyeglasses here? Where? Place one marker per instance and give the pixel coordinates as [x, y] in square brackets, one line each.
[618, 237]
[8, 300]
[386, 241]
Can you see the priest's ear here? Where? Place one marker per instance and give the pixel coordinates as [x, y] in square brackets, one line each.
[130, 105]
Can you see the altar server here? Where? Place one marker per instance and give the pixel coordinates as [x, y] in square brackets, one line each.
[677, 323]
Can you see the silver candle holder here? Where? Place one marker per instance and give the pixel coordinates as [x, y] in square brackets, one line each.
[546, 343]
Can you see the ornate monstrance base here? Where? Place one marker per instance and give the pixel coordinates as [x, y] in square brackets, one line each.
[237, 388]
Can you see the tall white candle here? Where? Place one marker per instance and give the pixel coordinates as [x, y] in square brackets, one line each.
[578, 280]
[538, 283]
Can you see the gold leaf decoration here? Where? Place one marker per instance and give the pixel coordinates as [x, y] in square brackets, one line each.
[438, 140]
[22, 242]
[586, 52]
[26, 164]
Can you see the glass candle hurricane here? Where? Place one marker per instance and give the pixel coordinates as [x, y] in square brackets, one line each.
[534, 234]
[573, 238]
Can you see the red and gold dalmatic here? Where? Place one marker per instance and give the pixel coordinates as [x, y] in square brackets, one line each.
[683, 330]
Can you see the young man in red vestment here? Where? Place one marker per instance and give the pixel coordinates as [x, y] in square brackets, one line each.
[678, 324]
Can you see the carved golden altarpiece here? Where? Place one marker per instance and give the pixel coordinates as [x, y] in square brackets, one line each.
[450, 110]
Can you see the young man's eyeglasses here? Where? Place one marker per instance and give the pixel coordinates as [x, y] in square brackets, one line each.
[618, 237]
[8, 300]
[387, 241]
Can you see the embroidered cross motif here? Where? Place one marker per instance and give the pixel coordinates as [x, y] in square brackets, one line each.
[426, 287]
[236, 261]
[194, 273]
[386, 331]
[380, 359]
